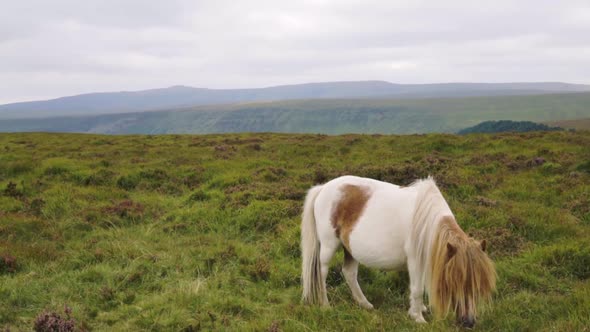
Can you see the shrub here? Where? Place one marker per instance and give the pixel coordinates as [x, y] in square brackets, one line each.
[156, 175]
[54, 322]
[36, 206]
[255, 147]
[55, 170]
[11, 190]
[259, 270]
[128, 182]
[584, 167]
[194, 178]
[273, 174]
[199, 196]
[7, 263]
[15, 168]
[101, 177]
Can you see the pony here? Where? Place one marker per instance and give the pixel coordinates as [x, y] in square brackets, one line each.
[385, 226]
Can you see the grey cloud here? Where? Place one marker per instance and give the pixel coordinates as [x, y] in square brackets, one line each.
[64, 47]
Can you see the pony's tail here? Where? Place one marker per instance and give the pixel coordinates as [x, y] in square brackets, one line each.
[313, 291]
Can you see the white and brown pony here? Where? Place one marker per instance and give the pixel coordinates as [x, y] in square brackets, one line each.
[385, 226]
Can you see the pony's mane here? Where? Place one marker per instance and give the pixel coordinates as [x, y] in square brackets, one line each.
[468, 274]
[462, 275]
[429, 205]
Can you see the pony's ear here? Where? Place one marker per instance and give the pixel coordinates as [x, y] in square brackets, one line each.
[451, 250]
[483, 244]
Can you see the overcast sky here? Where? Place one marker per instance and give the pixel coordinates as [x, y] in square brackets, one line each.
[63, 47]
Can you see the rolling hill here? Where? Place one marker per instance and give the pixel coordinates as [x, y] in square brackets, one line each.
[183, 96]
[578, 124]
[329, 116]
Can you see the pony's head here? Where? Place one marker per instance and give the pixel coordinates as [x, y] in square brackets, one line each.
[463, 276]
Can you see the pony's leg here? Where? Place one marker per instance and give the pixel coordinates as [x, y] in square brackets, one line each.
[416, 292]
[327, 251]
[350, 270]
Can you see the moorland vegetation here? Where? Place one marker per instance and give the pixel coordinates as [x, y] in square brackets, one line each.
[201, 232]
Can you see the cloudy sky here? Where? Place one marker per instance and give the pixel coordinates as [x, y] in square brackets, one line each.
[64, 47]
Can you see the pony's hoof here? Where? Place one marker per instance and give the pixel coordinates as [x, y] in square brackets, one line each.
[366, 305]
[417, 316]
[420, 320]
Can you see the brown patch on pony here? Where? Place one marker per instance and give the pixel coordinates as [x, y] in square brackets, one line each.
[348, 209]
[463, 275]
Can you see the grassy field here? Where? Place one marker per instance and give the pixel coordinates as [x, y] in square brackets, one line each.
[188, 233]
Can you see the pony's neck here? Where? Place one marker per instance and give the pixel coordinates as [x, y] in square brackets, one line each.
[430, 210]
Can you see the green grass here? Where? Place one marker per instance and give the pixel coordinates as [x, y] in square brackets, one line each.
[182, 233]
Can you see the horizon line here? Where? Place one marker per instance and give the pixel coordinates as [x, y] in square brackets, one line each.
[44, 99]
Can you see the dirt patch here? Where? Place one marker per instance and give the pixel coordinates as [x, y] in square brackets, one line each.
[483, 201]
[522, 162]
[224, 151]
[126, 209]
[435, 160]
[274, 327]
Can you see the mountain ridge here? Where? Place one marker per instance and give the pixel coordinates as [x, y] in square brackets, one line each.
[180, 96]
[328, 116]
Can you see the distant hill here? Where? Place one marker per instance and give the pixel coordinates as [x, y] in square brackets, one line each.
[578, 124]
[182, 96]
[507, 126]
[329, 116]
